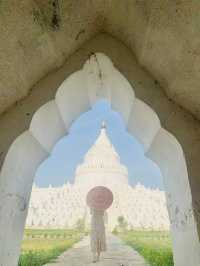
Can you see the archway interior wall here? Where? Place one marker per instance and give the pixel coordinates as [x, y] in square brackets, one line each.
[173, 118]
[124, 106]
[16, 178]
[168, 154]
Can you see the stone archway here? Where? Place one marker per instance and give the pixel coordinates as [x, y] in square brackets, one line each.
[100, 79]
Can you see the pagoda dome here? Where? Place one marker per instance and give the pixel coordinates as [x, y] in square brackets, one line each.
[102, 159]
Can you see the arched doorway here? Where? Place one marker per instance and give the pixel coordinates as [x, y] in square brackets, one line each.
[100, 79]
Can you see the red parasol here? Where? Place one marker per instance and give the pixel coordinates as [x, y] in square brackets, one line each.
[99, 198]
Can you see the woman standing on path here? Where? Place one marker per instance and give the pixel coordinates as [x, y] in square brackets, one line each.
[97, 235]
[98, 199]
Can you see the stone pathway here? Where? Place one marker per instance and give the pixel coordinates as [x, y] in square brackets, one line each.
[118, 254]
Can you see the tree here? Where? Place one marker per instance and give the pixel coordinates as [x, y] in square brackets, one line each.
[122, 223]
[80, 225]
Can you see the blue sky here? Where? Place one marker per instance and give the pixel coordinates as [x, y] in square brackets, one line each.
[70, 150]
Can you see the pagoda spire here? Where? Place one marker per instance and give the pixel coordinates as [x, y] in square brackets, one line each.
[103, 125]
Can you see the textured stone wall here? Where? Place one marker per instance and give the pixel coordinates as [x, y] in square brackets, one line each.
[38, 35]
[164, 36]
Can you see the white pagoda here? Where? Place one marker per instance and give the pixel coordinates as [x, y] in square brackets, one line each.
[62, 207]
[101, 165]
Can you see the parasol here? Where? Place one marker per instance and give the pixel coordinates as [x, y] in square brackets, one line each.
[99, 198]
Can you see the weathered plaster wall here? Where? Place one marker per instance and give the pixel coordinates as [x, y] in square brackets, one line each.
[164, 36]
[36, 36]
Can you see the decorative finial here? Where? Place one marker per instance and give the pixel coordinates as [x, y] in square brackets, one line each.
[103, 125]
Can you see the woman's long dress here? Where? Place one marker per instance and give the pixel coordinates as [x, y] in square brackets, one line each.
[98, 236]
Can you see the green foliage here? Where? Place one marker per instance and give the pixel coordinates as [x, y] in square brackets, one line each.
[37, 250]
[154, 246]
[80, 225]
[115, 231]
[122, 224]
[38, 258]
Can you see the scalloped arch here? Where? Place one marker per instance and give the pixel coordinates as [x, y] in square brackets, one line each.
[97, 79]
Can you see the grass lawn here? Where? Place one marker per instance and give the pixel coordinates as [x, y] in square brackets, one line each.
[155, 247]
[41, 246]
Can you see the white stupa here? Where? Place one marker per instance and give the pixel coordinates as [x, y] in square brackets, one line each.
[101, 165]
[62, 207]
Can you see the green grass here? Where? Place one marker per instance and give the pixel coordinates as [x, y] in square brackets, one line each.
[42, 246]
[155, 247]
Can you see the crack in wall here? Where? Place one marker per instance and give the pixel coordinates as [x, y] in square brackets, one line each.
[100, 73]
[55, 21]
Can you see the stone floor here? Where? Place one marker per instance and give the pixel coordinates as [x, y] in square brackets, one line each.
[118, 254]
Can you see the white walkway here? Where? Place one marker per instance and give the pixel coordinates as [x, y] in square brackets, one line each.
[118, 254]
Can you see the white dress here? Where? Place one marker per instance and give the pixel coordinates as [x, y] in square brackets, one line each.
[97, 236]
